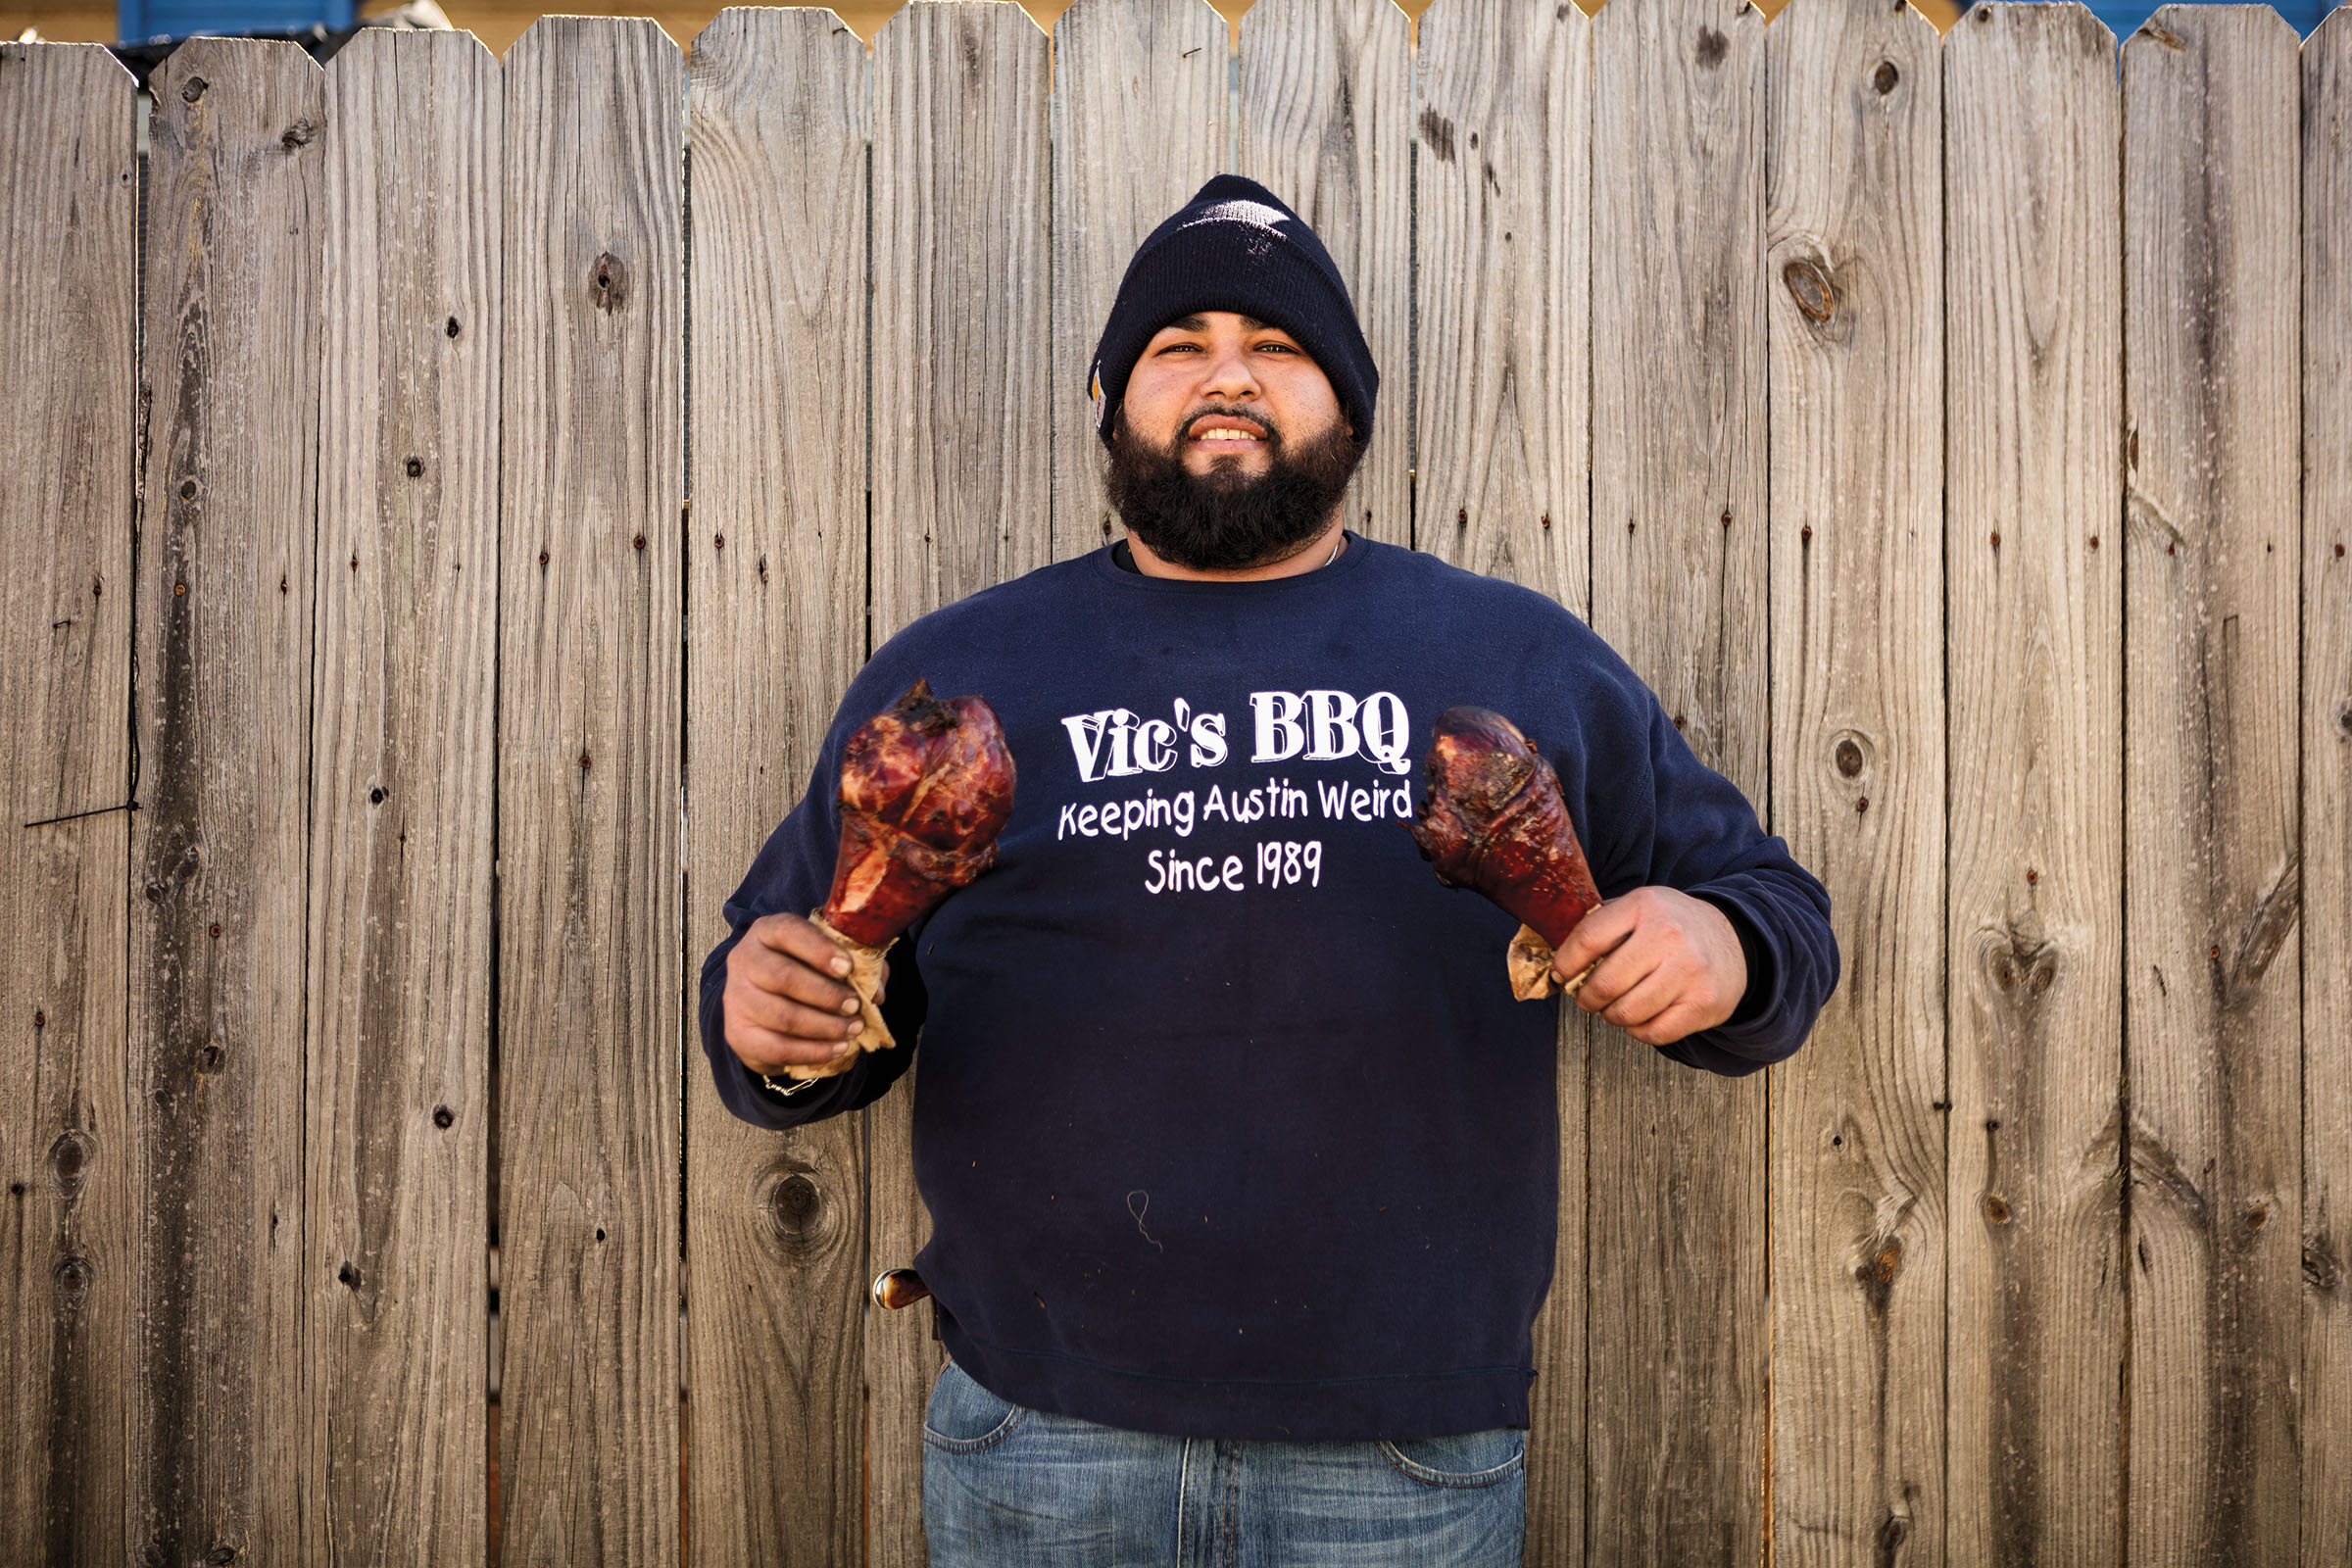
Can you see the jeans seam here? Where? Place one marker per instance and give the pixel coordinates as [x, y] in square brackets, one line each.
[1457, 1481]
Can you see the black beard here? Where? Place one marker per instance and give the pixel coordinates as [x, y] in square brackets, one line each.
[1225, 520]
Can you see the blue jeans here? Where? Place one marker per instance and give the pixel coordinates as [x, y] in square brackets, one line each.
[1007, 1487]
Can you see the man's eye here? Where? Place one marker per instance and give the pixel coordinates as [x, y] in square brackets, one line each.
[1277, 348]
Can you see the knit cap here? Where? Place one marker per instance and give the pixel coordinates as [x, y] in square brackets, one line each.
[1236, 247]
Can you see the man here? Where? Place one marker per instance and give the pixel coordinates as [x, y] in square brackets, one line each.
[1243, 1161]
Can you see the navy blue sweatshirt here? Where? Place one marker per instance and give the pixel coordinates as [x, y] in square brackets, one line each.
[1227, 1123]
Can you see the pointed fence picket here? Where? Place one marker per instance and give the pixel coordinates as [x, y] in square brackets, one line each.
[519, 456]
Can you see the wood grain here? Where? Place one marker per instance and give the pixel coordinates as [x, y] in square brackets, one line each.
[1503, 371]
[397, 1225]
[1140, 120]
[2212, 885]
[1853, 243]
[2035, 951]
[961, 499]
[222, 711]
[1326, 92]
[589, 940]
[2326, 1414]
[69, 270]
[775, 605]
[1503, 233]
[1678, 1343]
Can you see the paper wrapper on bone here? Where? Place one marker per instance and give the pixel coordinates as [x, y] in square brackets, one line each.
[1492, 820]
[926, 786]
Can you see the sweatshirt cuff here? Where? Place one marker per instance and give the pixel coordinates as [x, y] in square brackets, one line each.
[1763, 980]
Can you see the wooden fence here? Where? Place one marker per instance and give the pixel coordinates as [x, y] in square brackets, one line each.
[429, 573]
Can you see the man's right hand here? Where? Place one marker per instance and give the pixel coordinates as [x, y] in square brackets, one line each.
[785, 1001]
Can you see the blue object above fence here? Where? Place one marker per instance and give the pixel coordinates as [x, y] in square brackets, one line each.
[142, 21]
[2124, 16]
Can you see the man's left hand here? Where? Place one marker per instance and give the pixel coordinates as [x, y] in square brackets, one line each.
[1673, 965]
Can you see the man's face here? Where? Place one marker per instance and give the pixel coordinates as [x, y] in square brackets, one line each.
[1229, 450]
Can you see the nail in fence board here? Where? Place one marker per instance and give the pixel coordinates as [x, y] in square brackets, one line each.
[1141, 121]
[775, 605]
[589, 942]
[222, 708]
[1676, 1402]
[1326, 86]
[397, 1105]
[1853, 254]
[69, 259]
[962, 451]
[1503, 437]
[2032, 276]
[2212, 457]
[2327, 1415]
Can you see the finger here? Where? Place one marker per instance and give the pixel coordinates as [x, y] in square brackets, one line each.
[1601, 929]
[882, 985]
[791, 933]
[1682, 1018]
[788, 1018]
[1645, 1001]
[766, 1051]
[781, 974]
[1620, 970]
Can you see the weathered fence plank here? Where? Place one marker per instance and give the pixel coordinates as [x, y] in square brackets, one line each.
[1676, 1408]
[68, 268]
[775, 604]
[2327, 1365]
[396, 1221]
[1854, 305]
[222, 708]
[1141, 121]
[2033, 280]
[590, 954]
[1326, 89]
[962, 455]
[1503, 439]
[2212, 977]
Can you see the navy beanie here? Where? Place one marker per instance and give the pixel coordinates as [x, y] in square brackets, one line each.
[1236, 247]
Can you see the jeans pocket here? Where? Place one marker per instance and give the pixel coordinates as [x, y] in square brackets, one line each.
[1471, 1459]
[964, 1417]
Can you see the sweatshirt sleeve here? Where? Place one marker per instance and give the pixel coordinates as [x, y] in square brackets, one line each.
[1681, 824]
[794, 872]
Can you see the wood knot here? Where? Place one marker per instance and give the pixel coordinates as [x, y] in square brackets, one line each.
[301, 133]
[210, 1057]
[348, 1276]
[415, 467]
[1875, 1273]
[1848, 757]
[608, 283]
[1885, 77]
[1437, 135]
[193, 91]
[1712, 47]
[2321, 1269]
[2020, 969]
[1808, 284]
[73, 1281]
[70, 1159]
[443, 1116]
[452, 328]
[1996, 1208]
[2257, 1217]
[796, 1209]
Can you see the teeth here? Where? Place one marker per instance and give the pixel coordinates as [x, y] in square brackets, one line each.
[1227, 434]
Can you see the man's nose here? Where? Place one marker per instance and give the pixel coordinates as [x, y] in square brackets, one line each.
[1229, 376]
